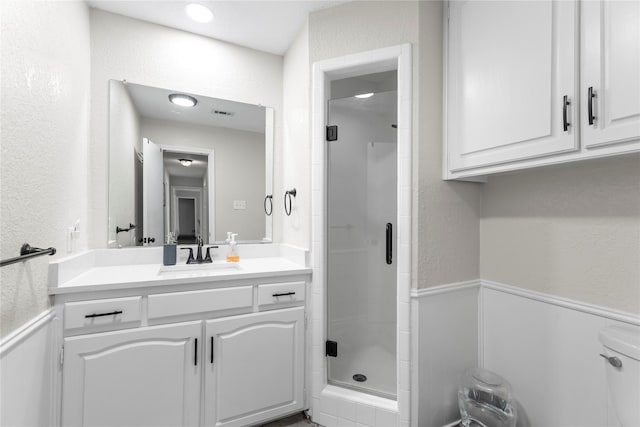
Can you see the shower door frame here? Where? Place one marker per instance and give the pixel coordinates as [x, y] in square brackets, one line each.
[324, 396]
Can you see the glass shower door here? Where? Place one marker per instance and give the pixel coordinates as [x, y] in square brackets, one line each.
[361, 240]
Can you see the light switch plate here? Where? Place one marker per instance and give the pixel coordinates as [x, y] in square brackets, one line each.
[239, 204]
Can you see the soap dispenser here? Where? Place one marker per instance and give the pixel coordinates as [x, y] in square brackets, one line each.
[232, 254]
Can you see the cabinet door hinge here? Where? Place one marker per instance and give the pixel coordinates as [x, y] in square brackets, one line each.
[61, 356]
[306, 322]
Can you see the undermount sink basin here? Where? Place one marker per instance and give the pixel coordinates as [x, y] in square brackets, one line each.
[208, 268]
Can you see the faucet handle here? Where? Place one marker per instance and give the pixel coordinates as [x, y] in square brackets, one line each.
[190, 260]
[207, 257]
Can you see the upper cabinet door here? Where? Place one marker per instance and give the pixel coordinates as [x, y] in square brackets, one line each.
[610, 84]
[511, 86]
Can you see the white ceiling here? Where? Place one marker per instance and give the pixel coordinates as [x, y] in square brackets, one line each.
[264, 25]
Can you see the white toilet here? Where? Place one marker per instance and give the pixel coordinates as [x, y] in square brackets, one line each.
[622, 358]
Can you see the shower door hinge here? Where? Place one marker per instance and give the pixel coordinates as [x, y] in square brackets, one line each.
[61, 356]
[331, 348]
[332, 133]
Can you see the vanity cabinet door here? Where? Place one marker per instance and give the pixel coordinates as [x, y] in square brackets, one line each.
[254, 367]
[610, 84]
[143, 377]
[510, 82]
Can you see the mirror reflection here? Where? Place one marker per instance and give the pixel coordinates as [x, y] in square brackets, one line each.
[186, 168]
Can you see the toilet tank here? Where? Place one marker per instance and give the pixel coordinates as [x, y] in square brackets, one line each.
[623, 342]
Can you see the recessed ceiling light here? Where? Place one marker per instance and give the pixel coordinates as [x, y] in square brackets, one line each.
[198, 12]
[185, 162]
[365, 95]
[183, 100]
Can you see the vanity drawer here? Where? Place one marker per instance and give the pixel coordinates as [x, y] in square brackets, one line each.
[191, 302]
[280, 293]
[116, 312]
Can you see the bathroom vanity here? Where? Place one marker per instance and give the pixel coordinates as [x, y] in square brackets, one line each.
[217, 344]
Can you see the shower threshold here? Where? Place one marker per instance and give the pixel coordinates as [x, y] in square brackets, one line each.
[362, 389]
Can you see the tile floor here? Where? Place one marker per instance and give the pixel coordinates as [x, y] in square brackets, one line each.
[296, 420]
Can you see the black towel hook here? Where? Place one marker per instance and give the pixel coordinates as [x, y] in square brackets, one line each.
[287, 196]
[269, 211]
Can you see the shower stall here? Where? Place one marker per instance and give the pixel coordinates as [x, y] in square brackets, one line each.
[361, 197]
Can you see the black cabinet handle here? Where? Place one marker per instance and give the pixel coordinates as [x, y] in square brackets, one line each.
[590, 95]
[565, 119]
[112, 313]
[284, 294]
[195, 352]
[389, 243]
[212, 350]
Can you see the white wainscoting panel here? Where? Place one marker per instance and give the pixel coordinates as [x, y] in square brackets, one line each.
[447, 334]
[27, 374]
[548, 349]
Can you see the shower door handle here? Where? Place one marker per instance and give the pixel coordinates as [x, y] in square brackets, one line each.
[389, 243]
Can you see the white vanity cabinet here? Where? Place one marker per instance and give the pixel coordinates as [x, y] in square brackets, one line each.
[255, 367]
[138, 377]
[517, 79]
[202, 353]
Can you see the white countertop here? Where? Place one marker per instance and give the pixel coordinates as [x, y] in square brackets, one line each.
[88, 275]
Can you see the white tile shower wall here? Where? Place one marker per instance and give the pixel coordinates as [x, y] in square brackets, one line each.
[445, 343]
[27, 374]
[547, 348]
[325, 408]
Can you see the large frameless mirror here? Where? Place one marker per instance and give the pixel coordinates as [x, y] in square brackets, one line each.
[183, 172]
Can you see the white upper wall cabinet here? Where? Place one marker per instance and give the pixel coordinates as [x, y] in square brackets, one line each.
[512, 89]
[511, 65]
[610, 84]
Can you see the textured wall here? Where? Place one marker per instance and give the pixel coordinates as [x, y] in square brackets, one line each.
[153, 55]
[448, 212]
[45, 129]
[445, 214]
[296, 146]
[570, 230]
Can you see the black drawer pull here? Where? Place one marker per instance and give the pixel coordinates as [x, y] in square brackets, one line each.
[284, 294]
[113, 313]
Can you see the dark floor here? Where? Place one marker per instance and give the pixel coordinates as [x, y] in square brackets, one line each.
[297, 420]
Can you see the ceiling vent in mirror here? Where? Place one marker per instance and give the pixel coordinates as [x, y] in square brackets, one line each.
[222, 113]
[183, 100]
